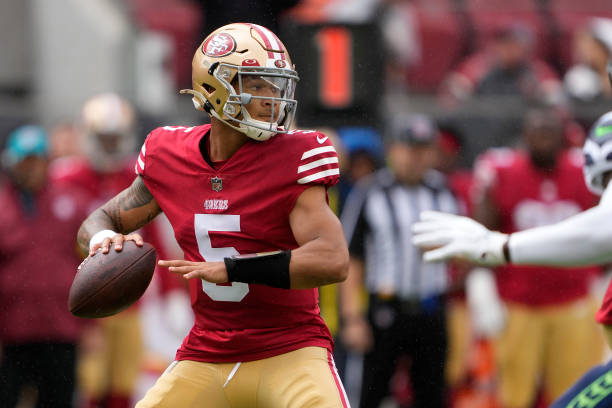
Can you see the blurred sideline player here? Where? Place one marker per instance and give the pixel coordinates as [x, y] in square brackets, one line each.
[470, 367]
[549, 334]
[38, 336]
[583, 239]
[111, 359]
[241, 185]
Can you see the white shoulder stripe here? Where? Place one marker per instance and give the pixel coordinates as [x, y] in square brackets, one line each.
[143, 150]
[141, 163]
[319, 175]
[317, 163]
[317, 150]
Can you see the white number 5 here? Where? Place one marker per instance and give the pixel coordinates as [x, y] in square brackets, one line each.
[203, 224]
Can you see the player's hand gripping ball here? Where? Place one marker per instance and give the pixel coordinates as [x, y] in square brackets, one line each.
[106, 284]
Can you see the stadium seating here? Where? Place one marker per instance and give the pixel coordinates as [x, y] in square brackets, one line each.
[442, 39]
[569, 16]
[488, 16]
[181, 21]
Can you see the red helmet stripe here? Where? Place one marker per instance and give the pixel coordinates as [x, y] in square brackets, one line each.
[266, 41]
[270, 40]
[276, 43]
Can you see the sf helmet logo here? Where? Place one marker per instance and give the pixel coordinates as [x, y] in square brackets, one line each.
[219, 45]
[280, 63]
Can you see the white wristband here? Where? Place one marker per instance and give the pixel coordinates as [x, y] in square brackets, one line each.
[100, 236]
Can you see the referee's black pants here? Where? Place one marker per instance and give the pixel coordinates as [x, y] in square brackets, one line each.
[415, 329]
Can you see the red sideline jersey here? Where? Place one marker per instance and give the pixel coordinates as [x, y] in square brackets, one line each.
[527, 197]
[101, 187]
[240, 207]
[604, 314]
[38, 261]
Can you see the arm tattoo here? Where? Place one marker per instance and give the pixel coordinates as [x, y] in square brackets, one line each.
[126, 212]
[137, 195]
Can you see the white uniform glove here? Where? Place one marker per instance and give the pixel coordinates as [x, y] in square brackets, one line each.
[486, 309]
[454, 236]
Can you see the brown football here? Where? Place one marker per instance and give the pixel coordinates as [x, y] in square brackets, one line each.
[106, 284]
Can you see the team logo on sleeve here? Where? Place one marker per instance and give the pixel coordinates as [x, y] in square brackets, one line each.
[216, 183]
[219, 45]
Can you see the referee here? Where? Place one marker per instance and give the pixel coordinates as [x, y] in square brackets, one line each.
[405, 313]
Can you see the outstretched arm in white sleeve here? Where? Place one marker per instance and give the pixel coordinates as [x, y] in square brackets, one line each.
[583, 239]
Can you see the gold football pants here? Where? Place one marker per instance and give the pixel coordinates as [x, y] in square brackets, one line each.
[114, 367]
[304, 378]
[554, 345]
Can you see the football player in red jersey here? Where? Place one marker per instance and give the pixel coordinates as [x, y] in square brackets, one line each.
[111, 357]
[39, 338]
[583, 239]
[244, 184]
[549, 335]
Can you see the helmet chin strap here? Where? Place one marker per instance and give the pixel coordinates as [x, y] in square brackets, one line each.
[258, 132]
[254, 133]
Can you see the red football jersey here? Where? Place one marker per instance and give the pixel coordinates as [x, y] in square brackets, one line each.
[240, 207]
[527, 197]
[101, 187]
[38, 262]
[604, 314]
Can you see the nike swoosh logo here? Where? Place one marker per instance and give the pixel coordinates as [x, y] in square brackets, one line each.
[321, 140]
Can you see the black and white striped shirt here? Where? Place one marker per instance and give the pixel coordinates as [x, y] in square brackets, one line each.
[377, 220]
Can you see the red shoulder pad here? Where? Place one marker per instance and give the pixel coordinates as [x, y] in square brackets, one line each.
[161, 138]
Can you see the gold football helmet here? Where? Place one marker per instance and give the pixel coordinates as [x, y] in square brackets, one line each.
[230, 57]
[107, 122]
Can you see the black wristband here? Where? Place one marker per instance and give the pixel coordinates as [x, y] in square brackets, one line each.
[270, 269]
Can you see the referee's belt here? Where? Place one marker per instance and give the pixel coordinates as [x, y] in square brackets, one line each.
[413, 305]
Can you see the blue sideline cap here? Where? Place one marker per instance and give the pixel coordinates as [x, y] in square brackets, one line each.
[357, 139]
[28, 140]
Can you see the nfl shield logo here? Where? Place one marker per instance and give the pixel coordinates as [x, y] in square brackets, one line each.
[217, 183]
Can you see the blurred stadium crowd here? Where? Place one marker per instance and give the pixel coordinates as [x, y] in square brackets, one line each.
[483, 95]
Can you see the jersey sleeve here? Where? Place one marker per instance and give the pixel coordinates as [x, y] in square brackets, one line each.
[488, 170]
[152, 148]
[317, 161]
[307, 159]
[139, 167]
[580, 240]
[604, 314]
